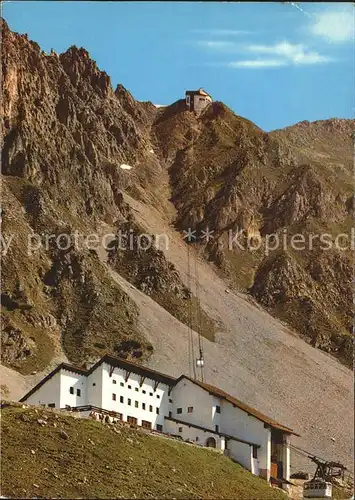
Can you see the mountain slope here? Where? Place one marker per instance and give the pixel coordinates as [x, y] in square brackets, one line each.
[66, 133]
[254, 357]
[95, 460]
[268, 190]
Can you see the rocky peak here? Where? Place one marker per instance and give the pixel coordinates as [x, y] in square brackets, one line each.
[78, 65]
[66, 135]
[142, 112]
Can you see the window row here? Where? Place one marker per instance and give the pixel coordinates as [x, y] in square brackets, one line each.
[145, 423]
[136, 389]
[136, 403]
[190, 409]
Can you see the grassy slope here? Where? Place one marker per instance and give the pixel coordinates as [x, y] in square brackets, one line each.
[97, 462]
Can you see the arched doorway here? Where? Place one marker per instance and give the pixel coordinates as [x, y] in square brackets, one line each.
[211, 442]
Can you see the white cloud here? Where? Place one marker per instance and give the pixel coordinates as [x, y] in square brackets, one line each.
[292, 53]
[335, 25]
[258, 63]
[283, 54]
[223, 32]
[280, 54]
[216, 44]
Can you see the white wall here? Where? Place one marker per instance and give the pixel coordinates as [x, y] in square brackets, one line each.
[197, 436]
[241, 452]
[94, 387]
[57, 390]
[232, 420]
[48, 393]
[286, 457]
[200, 102]
[70, 379]
[186, 394]
[255, 466]
[236, 422]
[158, 398]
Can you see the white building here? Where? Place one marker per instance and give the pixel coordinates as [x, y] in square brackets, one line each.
[197, 100]
[183, 407]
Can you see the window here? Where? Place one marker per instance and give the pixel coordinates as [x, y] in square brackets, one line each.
[132, 420]
[170, 400]
[180, 429]
[170, 414]
[136, 404]
[114, 381]
[218, 409]
[158, 396]
[71, 390]
[93, 384]
[121, 399]
[179, 410]
[144, 391]
[113, 397]
[129, 402]
[51, 405]
[217, 428]
[129, 387]
[157, 410]
[197, 438]
[150, 394]
[159, 428]
[121, 384]
[146, 424]
[78, 392]
[136, 389]
[255, 451]
[150, 408]
[143, 406]
[190, 409]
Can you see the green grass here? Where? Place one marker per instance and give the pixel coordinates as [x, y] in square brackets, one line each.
[97, 462]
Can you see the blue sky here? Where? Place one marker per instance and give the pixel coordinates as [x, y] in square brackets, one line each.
[273, 63]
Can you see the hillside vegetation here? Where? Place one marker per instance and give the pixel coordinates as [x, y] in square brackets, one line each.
[46, 454]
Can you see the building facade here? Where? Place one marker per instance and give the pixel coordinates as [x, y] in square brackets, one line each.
[184, 407]
[197, 100]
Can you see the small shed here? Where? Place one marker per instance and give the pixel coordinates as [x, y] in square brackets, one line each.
[197, 100]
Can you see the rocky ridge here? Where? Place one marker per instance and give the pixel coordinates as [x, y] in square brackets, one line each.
[66, 132]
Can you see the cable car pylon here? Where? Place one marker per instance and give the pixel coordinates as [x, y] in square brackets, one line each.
[194, 362]
[191, 350]
[200, 362]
